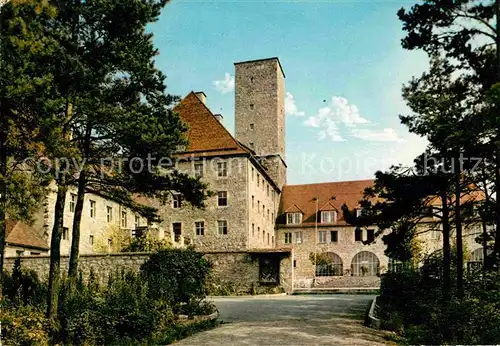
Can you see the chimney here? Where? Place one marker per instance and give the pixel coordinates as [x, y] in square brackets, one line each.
[219, 117]
[201, 95]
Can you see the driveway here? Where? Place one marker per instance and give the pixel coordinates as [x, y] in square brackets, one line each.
[290, 320]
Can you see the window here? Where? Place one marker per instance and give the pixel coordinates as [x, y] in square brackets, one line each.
[200, 227]
[177, 229]
[359, 211]
[365, 264]
[293, 218]
[298, 237]
[268, 214]
[329, 264]
[72, 203]
[251, 145]
[358, 234]
[198, 169]
[258, 180]
[263, 210]
[334, 236]
[328, 216]
[124, 219]
[268, 239]
[272, 240]
[109, 214]
[222, 198]
[253, 229]
[288, 238]
[222, 169]
[20, 252]
[222, 227]
[176, 201]
[262, 183]
[258, 206]
[34, 253]
[251, 106]
[253, 201]
[267, 186]
[295, 263]
[322, 237]
[253, 171]
[92, 209]
[91, 240]
[65, 233]
[251, 127]
[370, 235]
[263, 234]
[110, 244]
[137, 221]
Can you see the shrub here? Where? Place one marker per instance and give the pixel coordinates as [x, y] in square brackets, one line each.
[177, 277]
[23, 286]
[411, 303]
[23, 325]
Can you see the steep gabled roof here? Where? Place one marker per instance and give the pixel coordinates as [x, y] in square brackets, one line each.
[206, 135]
[331, 196]
[20, 234]
[294, 209]
[328, 206]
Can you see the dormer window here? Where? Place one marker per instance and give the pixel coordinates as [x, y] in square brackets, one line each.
[293, 218]
[328, 216]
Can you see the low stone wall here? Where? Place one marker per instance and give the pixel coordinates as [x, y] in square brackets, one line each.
[237, 271]
[339, 282]
[101, 264]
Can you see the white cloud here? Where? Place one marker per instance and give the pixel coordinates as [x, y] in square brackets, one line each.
[348, 114]
[291, 107]
[340, 114]
[225, 85]
[386, 135]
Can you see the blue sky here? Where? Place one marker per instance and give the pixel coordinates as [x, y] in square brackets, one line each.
[344, 69]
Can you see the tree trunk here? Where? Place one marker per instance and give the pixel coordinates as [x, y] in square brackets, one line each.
[459, 240]
[55, 251]
[496, 249]
[446, 247]
[75, 241]
[82, 184]
[3, 200]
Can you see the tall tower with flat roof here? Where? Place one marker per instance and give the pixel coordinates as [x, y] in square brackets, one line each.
[260, 113]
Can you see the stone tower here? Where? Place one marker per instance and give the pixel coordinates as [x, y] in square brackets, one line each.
[260, 113]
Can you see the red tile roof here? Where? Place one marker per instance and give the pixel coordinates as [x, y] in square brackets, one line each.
[206, 135]
[330, 196]
[20, 234]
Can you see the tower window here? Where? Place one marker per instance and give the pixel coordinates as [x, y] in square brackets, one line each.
[251, 126]
[251, 106]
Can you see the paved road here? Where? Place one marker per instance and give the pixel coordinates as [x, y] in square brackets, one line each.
[290, 320]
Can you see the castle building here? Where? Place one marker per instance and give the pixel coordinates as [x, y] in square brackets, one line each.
[253, 208]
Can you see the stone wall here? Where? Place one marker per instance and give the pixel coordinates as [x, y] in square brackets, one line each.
[239, 269]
